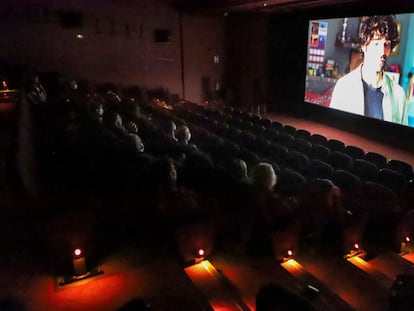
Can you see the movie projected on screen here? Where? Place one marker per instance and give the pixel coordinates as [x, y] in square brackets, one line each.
[363, 65]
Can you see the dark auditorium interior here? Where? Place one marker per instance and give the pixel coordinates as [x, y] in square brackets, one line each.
[167, 155]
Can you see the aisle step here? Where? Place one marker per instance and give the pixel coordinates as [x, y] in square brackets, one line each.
[219, 291]
[329, 298]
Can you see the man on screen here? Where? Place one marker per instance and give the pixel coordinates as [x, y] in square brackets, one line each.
[368, 90]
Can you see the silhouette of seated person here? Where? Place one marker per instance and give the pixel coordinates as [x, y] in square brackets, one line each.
[131, 127]
[168, 129]
[232, 209]
[35, 92]
[233, 182]
[166, 143]
[130, 109]
[322, 217]
[134, 163]
[183, 135]
[179, 206]
[113, 101]
[96, 129]
[135, 142]
[70, 94]
[97, 112]
[114, 123]
[146, 128]
[192, 167]
[270, 213]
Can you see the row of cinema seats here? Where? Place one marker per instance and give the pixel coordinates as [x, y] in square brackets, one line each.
[376, 190]
[310, 155]
[303, 164]
[224, 134]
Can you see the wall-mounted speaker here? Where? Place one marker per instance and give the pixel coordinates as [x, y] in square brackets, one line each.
[162, 36]
[71, 19]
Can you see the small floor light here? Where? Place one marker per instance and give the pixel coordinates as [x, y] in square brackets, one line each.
[356, 250]
[80, 271]
[200, 256]
[405, 245]
[288, 255]
[79, 264]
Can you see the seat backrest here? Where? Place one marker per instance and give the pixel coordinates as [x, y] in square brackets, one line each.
[345, 179]
[279, 153]
[336, 145]
[265, 122]
[276, 125]
[290, 182]
[401, 167]
[302, 145]
[319, 139]
[392, 179]
[355, 152]
[320, 152]
[286, 139]
[303, 134]
[320, 169]
[271, 134]
[365, 170]
[297, 161]
[378, 159]
[340, 160]
[289, 129]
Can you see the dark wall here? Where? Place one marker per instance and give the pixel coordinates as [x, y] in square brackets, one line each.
[247, 60]
[288, 60]
[113, 41]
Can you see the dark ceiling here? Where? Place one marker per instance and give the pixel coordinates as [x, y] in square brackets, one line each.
[228, 6]
[220, 6]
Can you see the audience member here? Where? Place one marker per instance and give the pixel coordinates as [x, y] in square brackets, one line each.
[35, 92]
[131, 127]
[183, 134]
[177, 204]
[270, 212]
[113, 122]
[322, 218]
[197, 172]
[136, 142]
[168, 130]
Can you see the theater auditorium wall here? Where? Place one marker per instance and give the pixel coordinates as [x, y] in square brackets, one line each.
[114, 41]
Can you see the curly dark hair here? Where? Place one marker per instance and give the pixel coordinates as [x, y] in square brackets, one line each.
[385, 25]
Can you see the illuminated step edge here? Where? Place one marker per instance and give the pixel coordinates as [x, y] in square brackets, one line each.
[409, 257]
[366, 267]
[67, 280]
[326, 296]
[217, 288]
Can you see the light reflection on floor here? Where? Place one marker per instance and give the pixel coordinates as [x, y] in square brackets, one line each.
[293, 267]
[409, 257]
[211, 283]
